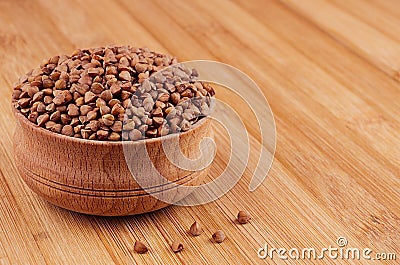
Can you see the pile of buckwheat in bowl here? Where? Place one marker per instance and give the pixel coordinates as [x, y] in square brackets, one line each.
[113, 93]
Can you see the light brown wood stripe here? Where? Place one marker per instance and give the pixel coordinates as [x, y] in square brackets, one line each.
[359, 36]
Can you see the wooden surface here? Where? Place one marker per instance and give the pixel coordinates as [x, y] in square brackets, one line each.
[330, 71]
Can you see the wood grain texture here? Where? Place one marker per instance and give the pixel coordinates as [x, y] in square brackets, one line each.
[329, 70]
[111, 178]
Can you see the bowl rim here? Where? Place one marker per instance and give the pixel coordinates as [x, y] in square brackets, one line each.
[21, 118]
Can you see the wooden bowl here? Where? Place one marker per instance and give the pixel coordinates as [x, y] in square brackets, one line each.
[93, 177]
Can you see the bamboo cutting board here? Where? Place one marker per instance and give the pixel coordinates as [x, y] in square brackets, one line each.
[330, 71]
